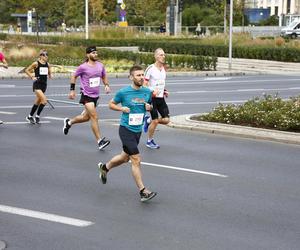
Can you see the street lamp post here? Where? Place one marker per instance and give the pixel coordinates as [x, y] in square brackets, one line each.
[230, 36]
[86, 19]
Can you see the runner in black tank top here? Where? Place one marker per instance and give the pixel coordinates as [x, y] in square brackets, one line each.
[41, 71]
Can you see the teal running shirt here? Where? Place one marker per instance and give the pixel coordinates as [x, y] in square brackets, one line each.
[135, 100]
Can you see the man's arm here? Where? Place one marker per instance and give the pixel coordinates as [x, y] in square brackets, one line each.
[49, 71]
[106, 84]
[114, 106]
[4, 63]
[72, 93]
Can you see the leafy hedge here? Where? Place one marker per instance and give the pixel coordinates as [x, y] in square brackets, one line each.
[177, 46]
[268, 112]
[71, 56]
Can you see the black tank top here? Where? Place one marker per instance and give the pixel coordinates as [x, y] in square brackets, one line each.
[41, 72]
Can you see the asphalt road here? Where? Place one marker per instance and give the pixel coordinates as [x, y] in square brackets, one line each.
[214, 192]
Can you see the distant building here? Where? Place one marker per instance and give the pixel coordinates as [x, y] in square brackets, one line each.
[255, 15]
[286, 10]
[281, 7]
[251, 4]
[22, 23]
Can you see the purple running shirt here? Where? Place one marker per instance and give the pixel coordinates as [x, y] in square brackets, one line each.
[90, 78]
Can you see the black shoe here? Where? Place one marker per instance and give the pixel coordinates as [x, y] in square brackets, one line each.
[37, 119]
[103, 143]
[66, 126]
[146, 196]
[30, 119]
[102, 173]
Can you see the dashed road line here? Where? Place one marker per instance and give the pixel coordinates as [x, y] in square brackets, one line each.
[184, 169]
[45, 216]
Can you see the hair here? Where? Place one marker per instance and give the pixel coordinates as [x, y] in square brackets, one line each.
[135, 68]
[157, 51]
[42, 51]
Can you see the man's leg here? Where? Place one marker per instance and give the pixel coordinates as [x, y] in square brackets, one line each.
[114, 162]
[152, 128]
[145, 194]
[136, 170]
[92, 113]
[83, 117]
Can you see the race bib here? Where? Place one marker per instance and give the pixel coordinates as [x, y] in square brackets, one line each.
[94, 82]
[43, 71]
[160, 86]
[136, 119]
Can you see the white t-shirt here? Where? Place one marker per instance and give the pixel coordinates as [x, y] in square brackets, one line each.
[156, 79]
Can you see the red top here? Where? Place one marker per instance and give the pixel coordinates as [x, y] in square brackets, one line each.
[1, 57]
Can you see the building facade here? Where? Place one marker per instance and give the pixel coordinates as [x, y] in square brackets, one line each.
[280, 7]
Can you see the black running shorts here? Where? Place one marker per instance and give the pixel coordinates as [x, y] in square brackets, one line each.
[39, 85]
[159, 106]
[86, 99]
[130, 140]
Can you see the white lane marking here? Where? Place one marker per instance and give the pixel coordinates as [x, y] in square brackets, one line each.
[7, 113]
[49, 95]
[54, 118]
[217, 78]
[169, 103]
[195, 82]
[7, 86]
[229, 90]
[62, 118]
[205, 103]
[184, 169]
[45, 216]
[16, 123]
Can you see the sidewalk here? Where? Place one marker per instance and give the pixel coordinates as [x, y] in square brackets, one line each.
[185, 122]
[239, 67]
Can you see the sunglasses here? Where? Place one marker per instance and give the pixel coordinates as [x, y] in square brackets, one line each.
[44, 54]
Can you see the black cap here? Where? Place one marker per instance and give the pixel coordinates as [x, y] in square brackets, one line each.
[90, 49]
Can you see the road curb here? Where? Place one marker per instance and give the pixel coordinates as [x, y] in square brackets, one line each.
[170, 74]
[186, 122]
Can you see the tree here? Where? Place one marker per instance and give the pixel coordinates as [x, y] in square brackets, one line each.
[97, 10]
[74, 12]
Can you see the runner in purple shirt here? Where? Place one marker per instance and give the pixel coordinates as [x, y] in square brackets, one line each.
[91, 72]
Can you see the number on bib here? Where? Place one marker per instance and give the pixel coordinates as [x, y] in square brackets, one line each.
[94, 82]
[136, 119]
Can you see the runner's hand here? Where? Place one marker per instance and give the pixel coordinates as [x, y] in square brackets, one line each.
[72, 94]
[148, 107]
[166, 93]
[125, 110]
[107, 89]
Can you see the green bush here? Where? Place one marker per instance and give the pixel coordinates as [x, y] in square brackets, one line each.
[269, 112]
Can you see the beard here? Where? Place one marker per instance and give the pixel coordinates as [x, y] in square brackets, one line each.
[94, 59]
[138, 83]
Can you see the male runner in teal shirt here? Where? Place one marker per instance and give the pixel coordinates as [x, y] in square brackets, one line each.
[134, 101]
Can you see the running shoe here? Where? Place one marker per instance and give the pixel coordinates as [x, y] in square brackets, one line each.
[146, 124]
[152, 144]
[102, 172]
[37, 119]
[30, 119]
[103, 143]
[146, 196]
[66, 126]
[1, 122]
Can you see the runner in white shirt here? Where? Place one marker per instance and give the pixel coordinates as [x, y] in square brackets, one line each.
[155, 79]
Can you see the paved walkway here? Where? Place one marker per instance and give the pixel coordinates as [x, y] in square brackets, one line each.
[239, 67]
